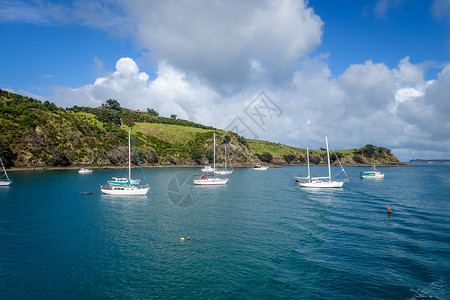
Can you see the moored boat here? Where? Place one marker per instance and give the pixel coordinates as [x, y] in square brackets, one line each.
[372, 174]
[320, 182]
[85, 171]
[210, 179]
[125, 187]
[259, 168]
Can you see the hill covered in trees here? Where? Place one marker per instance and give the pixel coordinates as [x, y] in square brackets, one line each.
[36, 134]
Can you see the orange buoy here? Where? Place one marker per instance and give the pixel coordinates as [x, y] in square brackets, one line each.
[389, 209]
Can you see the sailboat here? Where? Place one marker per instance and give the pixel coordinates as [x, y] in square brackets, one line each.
[3, 181]
[225, 170]
[319, 182]
[128, 188]
[210, 179]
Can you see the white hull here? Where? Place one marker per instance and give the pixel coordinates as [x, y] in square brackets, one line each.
[260, 168]
[322, 184]
[85, 171]
[5, 183]
[223, 172]
[211, 181]
[376, 175]
[124, 190]
[208, 169]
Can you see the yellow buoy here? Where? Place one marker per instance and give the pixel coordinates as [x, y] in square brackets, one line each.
[182, 239]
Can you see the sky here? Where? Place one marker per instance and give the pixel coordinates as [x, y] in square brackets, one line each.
[360, 72]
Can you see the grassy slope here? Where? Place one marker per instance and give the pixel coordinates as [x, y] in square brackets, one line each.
[34, 132]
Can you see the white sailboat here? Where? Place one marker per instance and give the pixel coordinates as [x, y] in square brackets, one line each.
[125, 189]
[4, 181]
[210, 179]
[225, 170]
[319, 182]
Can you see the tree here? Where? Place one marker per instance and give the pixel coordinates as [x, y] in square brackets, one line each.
[226, 139]
[358, 159]
[108, 115]
[209, 155]
[60, 159]
[6, 154]
[152, 112]
[289, 158]
[113, 104]
[265, 157]
[197, 156]
[173, 117]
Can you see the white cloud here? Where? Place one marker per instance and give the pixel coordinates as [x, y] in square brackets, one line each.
[441, 9]
[368, 103]
[168, 93]
[214, 57]
[383, 6]
[216, 40]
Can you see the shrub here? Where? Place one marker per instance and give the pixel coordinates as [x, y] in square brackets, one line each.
[265, 157]
[289, 158]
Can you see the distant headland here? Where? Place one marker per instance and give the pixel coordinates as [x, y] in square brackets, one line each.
[429, 161]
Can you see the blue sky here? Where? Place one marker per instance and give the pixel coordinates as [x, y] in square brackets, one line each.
[359, 72]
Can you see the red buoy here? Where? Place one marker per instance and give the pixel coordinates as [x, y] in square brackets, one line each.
[389, 209]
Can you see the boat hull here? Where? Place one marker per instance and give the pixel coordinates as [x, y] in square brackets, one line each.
[5, 183]
[211, 181]
[260, 168]
[322, 184]
[222, 172]
[124, 190]
[372, 176]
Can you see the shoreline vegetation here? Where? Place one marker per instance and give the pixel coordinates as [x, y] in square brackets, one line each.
[41, 136]
[52, 168]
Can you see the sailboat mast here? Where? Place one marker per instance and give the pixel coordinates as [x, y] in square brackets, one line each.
[328, 156]
[309, 172]
[214, 146]
[129, 156]
[4, 170]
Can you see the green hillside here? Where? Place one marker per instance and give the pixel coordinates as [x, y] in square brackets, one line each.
[36, 134]
[282, 154]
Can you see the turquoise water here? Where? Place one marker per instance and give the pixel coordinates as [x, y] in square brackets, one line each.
[258, 237]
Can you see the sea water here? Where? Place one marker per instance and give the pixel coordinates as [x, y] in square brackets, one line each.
[260, 236]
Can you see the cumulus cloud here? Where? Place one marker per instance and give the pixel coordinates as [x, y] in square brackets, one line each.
[225, 42]
[168, 93]
[368, 103]
[213, 58]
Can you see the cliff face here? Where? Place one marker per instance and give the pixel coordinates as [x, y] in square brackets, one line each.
[36, 134]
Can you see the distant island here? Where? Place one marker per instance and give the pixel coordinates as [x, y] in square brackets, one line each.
[37, 134]
[429, 161]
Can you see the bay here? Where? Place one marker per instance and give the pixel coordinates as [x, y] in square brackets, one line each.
[259, 237]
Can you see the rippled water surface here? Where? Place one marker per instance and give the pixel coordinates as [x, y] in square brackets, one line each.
[260, 236]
